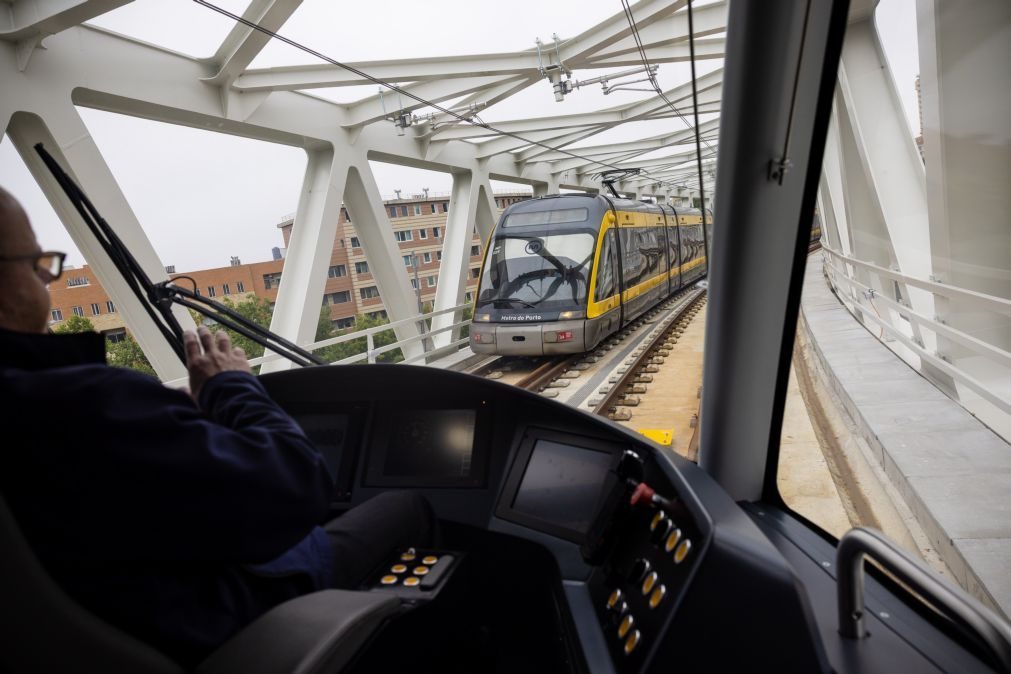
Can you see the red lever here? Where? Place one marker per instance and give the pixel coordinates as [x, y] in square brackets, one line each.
[643, 494]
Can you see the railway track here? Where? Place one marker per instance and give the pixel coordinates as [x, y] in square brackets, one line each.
[635, 376]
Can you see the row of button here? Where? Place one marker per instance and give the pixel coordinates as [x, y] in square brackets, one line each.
[662, 530]
[632, 637]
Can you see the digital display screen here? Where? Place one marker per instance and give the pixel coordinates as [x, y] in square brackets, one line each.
[562, 484]
[429, 444]
[328, 433]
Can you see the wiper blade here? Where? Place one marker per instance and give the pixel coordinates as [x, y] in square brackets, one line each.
[514, 299]
[157, 298]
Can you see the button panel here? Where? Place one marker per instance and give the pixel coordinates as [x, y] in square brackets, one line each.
[645, 575]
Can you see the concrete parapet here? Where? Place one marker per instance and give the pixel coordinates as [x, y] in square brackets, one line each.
[953, 472]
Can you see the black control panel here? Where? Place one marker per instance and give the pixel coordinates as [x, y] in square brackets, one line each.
[636, 591]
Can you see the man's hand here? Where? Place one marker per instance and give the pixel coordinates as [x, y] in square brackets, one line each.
[218, 356]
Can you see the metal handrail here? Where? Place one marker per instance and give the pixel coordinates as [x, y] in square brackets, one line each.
[953, 602]
[951, 292]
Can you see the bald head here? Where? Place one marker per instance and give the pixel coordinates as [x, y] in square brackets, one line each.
[24, 304]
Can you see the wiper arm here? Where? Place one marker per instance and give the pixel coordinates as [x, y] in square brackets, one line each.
[157, 298]
[514, 299]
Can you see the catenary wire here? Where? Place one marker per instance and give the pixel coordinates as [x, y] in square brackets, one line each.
[403, 92]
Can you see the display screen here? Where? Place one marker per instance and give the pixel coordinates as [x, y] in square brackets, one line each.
[328, 433]
[561, 485]
[428, 444]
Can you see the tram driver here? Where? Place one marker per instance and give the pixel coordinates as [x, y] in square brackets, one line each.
[177, 517]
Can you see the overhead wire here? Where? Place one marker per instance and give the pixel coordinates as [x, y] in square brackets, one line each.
[649, 72]
[404, 92]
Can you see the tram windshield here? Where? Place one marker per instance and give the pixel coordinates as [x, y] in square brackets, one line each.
[531, 271]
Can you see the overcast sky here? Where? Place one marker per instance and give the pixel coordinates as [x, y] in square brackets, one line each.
[228, 193]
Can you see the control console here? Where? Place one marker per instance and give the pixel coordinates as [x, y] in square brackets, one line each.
[639, 586]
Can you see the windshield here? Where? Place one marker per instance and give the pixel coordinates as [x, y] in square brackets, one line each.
[531, 271]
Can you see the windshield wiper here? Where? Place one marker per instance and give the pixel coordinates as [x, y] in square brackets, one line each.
[157, 298]
[513, 299]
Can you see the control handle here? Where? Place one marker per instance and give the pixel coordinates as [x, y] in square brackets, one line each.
[951, 601]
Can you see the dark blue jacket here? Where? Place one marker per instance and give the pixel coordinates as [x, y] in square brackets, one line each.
[177, 523]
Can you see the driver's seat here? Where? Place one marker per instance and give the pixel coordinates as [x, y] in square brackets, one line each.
[44, 630]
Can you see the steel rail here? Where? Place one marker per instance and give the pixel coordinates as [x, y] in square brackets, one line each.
[611, 399]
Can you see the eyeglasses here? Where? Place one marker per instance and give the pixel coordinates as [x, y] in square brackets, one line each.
[49, 263]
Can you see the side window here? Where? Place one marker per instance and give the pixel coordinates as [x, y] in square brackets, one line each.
[672, 246]
[634, 263]
[607, 268]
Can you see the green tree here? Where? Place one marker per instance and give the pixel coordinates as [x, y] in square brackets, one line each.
[75, 324]
[127, 353]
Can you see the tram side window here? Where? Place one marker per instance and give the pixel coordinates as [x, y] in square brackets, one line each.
[607, 269]
[656, 256]
[672, 246]
[634, 263]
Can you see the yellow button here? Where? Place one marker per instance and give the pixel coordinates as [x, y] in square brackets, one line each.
[420, 570]
[656, 520]
[612, 601]
[388, 579]
[411, 581]
[407, 557]
[657, 596]
[625, 626]
[632, 642]
[647, 585]
[430, 559]
[682, 551]
[672, 540]
[398, 568]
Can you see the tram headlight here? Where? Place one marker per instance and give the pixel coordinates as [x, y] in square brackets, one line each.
[482, 318]
[569, 315]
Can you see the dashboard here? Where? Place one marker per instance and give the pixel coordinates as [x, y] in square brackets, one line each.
[684, 578]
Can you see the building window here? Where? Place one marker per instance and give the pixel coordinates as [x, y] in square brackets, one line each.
[378, 315]
[197, 291]
[403, 211]
[414, 283]
[475, 272]
[225, 290]
[469, 297]
[445, 207]
[434, 208]
[344, 323]
[270, 281]
[110, 308]
[210, 291]
[74, 281]
[336, 271]
[361, 267]
[239, 287]
[417, 209]
[340, 297]
[431, 281]
[475, 251]
[368, 292]
[403, 236]
[427, 257]
[57, 314]
[393, 211]
[78, 311]
[407, 260]
[355, 243]
[435, 230]
[115, 336]
[422, 233]
[95, 310]
[438, 255]
[347, 216]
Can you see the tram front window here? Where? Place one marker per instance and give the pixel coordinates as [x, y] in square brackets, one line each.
[535, 271]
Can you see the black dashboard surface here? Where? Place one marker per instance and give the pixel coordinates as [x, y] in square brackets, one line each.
[698, 582]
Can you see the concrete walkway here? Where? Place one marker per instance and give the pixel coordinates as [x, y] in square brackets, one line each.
[952, 471]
